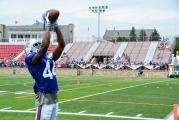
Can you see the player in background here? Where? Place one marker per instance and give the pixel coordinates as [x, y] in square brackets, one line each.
[40, 64]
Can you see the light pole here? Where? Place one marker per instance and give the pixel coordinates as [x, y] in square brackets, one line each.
[98, 10]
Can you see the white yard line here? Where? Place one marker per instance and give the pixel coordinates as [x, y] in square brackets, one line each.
[22, 92]
[85, 114]
[110, 113]
[7, 108]
[111, 91]
[32, 109]
[123, 102]
[109, 116]
[142, 96]
[2, 91]
[86, 87]
[16, 84]
[139, 115]
[82, 112]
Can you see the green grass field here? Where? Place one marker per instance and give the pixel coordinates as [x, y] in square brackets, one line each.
[92, 97]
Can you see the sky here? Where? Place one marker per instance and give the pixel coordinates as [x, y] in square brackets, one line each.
[120, 15]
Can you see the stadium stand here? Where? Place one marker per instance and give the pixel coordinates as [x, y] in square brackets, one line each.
[9, 51]
[20, 56]
[158, 54]
[126, 55]
[106, 49]
[101, 49]
[151, 51]
[135, 52]
[83, 50]
[120, 50]
[163, 52]
[89, 54]
[103, 54]
[114, 48]
[143, 52]
[77, 52]
[67, 47]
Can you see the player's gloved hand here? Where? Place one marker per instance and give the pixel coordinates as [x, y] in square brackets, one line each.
[49, 24]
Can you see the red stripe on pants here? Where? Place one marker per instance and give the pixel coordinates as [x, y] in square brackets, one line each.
[39, 112]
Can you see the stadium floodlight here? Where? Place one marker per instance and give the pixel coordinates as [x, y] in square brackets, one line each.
[98, 10]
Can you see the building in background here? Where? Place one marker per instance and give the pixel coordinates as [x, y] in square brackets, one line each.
[22, 33]
[2, 34]
[112, 35]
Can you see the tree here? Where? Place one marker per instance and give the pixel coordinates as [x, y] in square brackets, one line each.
[155, 36]
[132, 34]
[142, 36]
[122, 39]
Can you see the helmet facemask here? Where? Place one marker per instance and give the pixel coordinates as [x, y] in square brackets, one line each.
[36, 46]
[33, 46]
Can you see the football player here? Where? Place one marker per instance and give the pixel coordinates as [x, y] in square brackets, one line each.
[40, 64]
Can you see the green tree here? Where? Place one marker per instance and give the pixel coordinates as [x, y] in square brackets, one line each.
[132, 34]
[155, 36]
[122, 39]
[142, 35]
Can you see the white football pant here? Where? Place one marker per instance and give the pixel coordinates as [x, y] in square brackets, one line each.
[47, 112]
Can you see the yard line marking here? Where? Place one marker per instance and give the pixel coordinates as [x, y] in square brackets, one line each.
[7, 108]
[112, 91]
[16, 84]
[20, 92]
[110, 113]
[125, 102]
[108, 116]
[32, 109]
[27, 94]
[2, 91]
[61, 90]
[24, 96]
[69, 100]
[139, 115]
[86, 87]
[142, 96]
[84, 114]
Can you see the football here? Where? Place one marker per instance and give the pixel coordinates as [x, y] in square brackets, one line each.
[53, 14]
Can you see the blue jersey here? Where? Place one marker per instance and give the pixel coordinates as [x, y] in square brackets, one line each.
[43, 73]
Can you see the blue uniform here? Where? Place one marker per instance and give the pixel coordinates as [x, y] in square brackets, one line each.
[43, 73]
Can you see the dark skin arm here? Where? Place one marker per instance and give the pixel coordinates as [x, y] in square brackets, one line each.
[61, 44]
[43, 49]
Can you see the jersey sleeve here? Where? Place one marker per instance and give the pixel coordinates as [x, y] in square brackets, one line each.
[29, 57]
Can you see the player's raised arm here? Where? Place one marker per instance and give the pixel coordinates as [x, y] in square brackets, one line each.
[43, 49]
[61, 44]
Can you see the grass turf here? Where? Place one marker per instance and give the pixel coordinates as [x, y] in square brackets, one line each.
[152, 98]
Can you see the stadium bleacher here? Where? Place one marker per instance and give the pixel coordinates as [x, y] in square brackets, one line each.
[9, 51]
[143, 52]
[130, 53]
